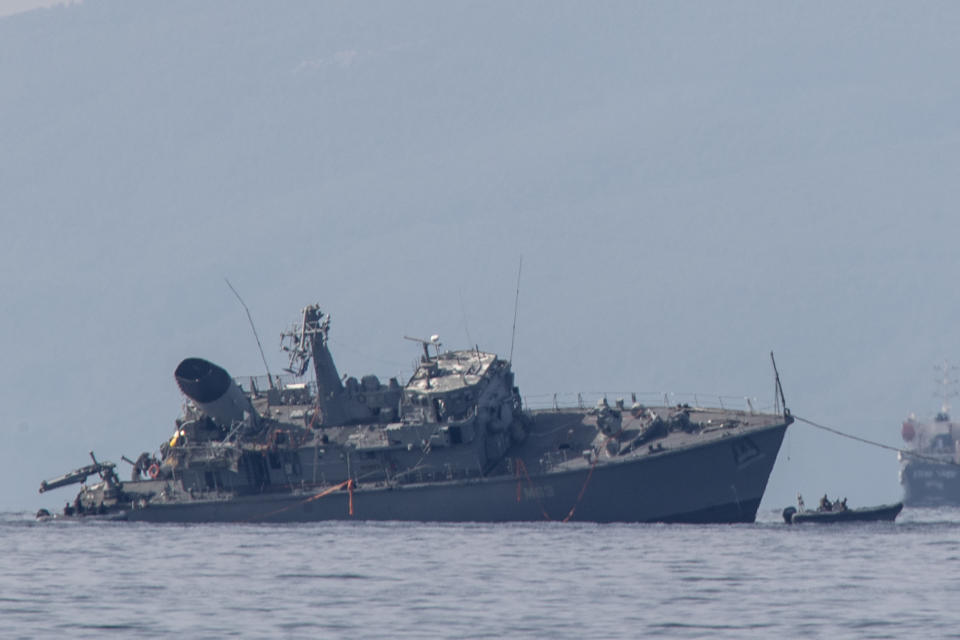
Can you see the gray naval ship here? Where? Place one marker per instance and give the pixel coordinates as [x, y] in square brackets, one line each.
[454, 443]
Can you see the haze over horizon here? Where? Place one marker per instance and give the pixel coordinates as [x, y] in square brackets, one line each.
[689, 187]
[12, 7]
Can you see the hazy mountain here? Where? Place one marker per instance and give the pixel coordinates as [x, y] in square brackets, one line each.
[689, 187]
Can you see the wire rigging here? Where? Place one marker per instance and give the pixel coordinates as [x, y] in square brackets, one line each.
[250, 318]
[516, 306]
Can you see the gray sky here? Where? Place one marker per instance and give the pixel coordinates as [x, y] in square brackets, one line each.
[690, 186]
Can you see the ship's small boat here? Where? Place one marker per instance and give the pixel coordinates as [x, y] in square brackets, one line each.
[839, 512]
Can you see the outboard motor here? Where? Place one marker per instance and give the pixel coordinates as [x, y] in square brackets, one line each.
[213, 390]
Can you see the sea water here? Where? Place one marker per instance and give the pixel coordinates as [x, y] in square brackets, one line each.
[530, 580]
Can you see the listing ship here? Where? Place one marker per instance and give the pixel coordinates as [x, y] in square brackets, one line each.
[455, 443]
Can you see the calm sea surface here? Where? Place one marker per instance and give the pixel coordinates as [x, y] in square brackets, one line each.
[549, 580]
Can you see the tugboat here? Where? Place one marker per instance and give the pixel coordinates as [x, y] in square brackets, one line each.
[930, 463]
[837, 511]
[454, 443]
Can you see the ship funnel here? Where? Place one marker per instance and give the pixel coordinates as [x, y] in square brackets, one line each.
[213, 390]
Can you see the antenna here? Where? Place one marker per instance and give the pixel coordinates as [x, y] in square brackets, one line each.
[947, 385]
[463, 309]
[434, 340]
[516, 305]
[778, 389]
[259, 346]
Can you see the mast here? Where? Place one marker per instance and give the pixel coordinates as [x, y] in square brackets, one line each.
[308, 341]
[778, 398]
[947, 389]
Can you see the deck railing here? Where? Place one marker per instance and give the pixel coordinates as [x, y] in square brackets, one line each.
[589, 399]
[571, 399]
[262, 383]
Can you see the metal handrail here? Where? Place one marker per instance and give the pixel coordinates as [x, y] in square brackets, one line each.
[589, 399]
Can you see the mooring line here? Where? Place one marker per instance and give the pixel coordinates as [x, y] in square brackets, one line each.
[843, 434]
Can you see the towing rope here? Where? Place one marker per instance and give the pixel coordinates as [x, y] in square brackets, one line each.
[346, 484]
[850, 436]
[583, 489]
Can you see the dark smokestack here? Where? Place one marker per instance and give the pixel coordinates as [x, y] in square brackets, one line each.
[212, 389]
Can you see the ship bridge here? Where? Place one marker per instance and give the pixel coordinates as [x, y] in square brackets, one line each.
[452, 371]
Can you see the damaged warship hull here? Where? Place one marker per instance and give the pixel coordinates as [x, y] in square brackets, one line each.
[720, 482]
[454, 444]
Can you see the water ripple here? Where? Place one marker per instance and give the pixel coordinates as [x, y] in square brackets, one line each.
[527, 580]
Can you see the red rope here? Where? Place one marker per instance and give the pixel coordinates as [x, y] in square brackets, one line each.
[521, 467]
[583, 489]
[325, 492]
